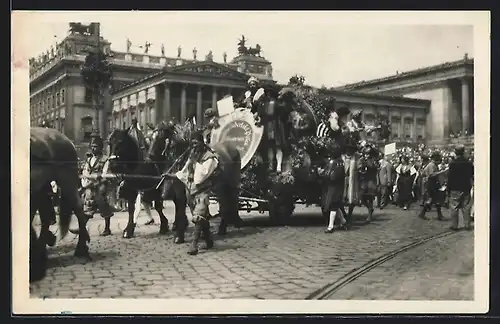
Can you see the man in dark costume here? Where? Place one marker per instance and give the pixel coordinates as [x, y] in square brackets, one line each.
[431, 186]
[212, 123]
[332, 176]
[460, 182]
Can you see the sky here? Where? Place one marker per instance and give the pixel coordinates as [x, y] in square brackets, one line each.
[328, 48]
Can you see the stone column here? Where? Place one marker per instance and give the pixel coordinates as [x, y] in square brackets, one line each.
[183, 102]
[167, 108]
[214, 97]
[465, 106]
[199, 106]
[402, 134]
[415, 135]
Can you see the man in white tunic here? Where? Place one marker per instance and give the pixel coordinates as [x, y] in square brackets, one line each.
[95, 189]
[197, 175]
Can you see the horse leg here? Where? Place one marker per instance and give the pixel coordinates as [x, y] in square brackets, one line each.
[129, 231]
[47, 215]
[37, 258]
[71, 202]
[181, 221]
[38, 249]
[163, 220]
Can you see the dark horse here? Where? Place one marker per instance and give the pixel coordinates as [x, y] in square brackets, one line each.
[144, 175]
[53, 157]
[225, 181]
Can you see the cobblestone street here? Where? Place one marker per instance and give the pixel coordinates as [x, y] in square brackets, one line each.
[257, 261]
[441, 269]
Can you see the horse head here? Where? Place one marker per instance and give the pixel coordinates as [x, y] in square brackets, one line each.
[124, 151]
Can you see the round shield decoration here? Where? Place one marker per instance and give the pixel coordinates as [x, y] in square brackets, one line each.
[239, 128]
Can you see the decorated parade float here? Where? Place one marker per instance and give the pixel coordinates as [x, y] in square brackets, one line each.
[267, 184]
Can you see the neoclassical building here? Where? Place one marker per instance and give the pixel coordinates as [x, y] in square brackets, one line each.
[449, 87]
[186, 90]
[161, 87]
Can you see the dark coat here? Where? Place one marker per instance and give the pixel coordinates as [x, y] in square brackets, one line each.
[333, 178]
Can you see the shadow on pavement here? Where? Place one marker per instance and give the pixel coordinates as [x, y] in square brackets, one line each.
[62, 261]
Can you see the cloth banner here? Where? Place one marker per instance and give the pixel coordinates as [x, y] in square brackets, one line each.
[225, 106]
[390, 149]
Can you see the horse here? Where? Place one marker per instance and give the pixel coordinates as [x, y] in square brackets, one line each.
[226, 181]
[53, 157]
[144, 176]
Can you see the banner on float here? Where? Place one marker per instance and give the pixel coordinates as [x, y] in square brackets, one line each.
[390, 149]
[225, 106]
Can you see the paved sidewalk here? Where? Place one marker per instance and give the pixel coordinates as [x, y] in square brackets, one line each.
[441, 269]
[258, 261]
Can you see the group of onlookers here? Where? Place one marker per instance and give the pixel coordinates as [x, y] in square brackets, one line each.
[423, 175]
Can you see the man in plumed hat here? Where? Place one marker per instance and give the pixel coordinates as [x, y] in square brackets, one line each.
[460, 182]
[431, 186]
[95, 186]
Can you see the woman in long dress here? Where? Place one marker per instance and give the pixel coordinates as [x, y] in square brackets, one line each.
[404, 182]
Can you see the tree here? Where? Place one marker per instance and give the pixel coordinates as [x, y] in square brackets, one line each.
[97, 74]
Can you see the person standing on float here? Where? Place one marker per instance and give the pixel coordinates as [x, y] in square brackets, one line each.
[269, 109]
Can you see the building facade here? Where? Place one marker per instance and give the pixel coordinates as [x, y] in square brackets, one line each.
[152, 88]
[449, 87]
[58, 94]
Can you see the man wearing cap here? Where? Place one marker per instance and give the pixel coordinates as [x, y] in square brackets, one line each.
[137, 134]
[95, 188]
[460, 182]
[212, 123]
[431, 186]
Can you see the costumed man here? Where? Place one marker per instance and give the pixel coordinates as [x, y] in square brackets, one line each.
[431, 185]
[271, 116]
[386, 179]
[460, 182]
[197, 175]
[368, 178]
[332, 175]
[247, 101]
[358, 129]
[137, 134]
[212, 123]
[95, 184]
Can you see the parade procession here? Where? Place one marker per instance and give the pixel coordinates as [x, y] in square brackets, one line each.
[249, 164]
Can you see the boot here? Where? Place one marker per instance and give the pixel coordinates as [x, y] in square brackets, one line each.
[440, 214]
[193, 249]
[422, 213]
[207, 235]
[107, 225]
[370, 215]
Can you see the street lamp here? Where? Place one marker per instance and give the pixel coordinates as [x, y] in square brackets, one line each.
[96, 72]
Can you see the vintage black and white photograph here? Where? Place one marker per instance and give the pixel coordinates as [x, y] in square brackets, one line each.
[284, 156]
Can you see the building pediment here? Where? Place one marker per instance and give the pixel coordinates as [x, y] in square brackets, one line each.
[210, 69]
